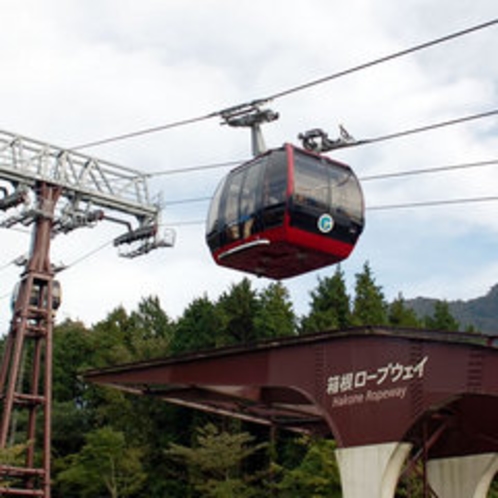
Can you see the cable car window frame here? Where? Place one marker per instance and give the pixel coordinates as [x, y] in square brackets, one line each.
[250, 199]
[213, 219]
[347, 198]
[311, 178]
[275, 188]
[231, 206]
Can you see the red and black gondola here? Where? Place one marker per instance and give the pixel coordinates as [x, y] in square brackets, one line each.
[286, 212]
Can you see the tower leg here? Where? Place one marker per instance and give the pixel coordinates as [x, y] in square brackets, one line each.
[26, 369]
[372, 470]
[463, 477]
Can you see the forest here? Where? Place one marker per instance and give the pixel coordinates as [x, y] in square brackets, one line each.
[110, 444]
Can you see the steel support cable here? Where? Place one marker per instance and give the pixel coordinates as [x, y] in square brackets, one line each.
[297, 88]
[358, 143]
[425, 171]
[146, 131]
[422, 129]
[435, 203]
[387, 58]
[386, 207]
[380, 176]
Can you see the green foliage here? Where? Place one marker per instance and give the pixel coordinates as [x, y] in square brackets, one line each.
[400, 315]
[215, 461]
[237, 309]
[105, 466]
[275, 316]
[442, 319]
[493, 492]
[108, 443]
[151, 330]
[13, 455]
[330, 305]
[200, 327]
[317, 476]
[72, 350]
[369, 306]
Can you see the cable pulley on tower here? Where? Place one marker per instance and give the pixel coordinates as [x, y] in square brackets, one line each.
[14, 199]
[316, 140]
[72, 218]
[144, 239]
[250, 116]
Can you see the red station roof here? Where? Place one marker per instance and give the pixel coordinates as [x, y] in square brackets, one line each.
[363, 386]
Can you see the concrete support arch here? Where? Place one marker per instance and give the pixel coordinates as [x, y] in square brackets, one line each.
[463, 477]
[372, 470]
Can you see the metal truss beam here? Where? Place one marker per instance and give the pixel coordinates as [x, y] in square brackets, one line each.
[27, 161]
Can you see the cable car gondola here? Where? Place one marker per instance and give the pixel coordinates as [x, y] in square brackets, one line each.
[286, 212]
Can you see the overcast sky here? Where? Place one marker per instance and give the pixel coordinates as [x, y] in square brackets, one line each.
[74, 72]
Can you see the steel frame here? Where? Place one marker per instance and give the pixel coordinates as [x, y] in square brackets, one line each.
[86, 183]
[30, 340]
[27, 161]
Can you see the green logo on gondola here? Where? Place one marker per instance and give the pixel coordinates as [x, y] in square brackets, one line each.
[325, 223]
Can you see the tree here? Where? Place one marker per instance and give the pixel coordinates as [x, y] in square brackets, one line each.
[151, 330]
[275, 316]
[71, 417]
[14, 455]
[111, 339]
[402, 316]
[214, 461]
[442, 319]
[330, 305]
[238, 307]
[369, 306]
[72, 353]
[200, 327]
[316, 476]
[105, 466]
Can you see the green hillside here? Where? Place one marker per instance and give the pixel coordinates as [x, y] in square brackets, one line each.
[481, 312]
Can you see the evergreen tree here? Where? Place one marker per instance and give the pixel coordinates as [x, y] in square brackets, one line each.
[200, 327]
[369, 307]
[402, 316]
[330, 305]
[111, 340]
[275, 316]
[72, 354]
[442, 319]
[316, 475]
[150, 329]
[214, 462]
[105, 466]
[238, 307]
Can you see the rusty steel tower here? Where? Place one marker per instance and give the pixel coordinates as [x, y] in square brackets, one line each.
[53, 191]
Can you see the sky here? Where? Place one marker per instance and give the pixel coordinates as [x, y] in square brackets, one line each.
[77, 72]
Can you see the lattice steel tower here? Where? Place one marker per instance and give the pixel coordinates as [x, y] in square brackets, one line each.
[53, 190]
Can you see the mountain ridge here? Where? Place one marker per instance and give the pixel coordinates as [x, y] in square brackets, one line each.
[481, 313]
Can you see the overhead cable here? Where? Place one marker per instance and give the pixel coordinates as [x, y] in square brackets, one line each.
[384, 59]
[424, 171]
[422, 129]
[357, 143]
[444, 202]
[192, 169]
[378, 176]
[295, 89]
[387, 207]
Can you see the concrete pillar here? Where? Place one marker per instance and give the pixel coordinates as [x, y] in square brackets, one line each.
[372, 470]
[462, 477]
